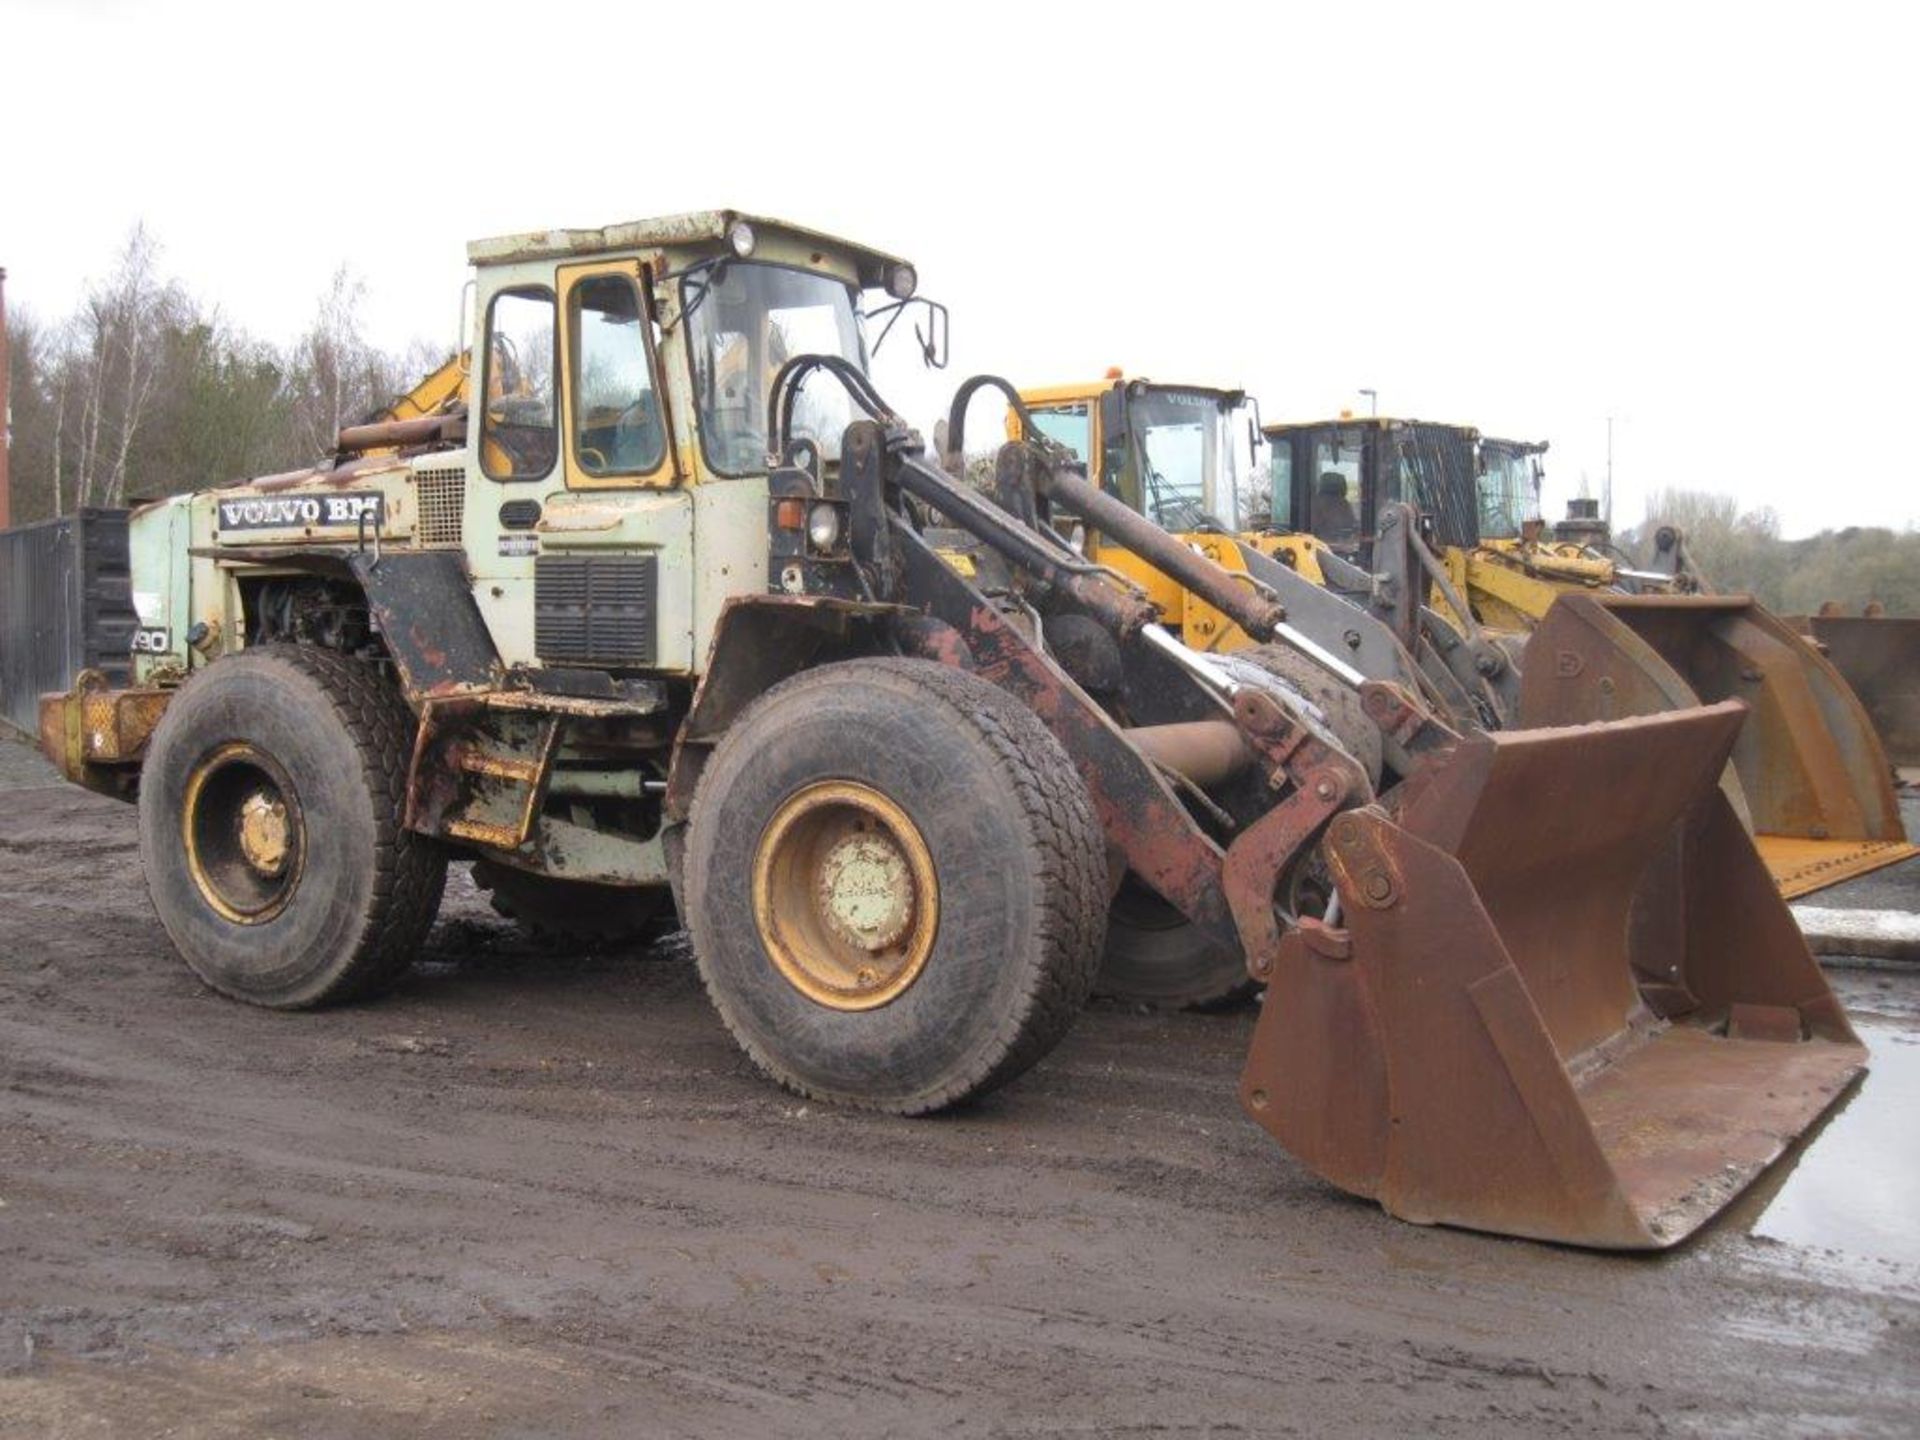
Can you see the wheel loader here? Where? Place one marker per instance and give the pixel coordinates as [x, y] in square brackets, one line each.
[1810, 773]
[1393, 516]
[686, 612]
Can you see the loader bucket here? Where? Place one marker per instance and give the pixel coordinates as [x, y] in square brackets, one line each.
[1809, 774]
[1567, 1002]
[1879, 656]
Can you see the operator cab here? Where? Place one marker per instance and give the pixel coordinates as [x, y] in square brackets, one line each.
[1332, 479]
[1510, 478]
[1187, 457]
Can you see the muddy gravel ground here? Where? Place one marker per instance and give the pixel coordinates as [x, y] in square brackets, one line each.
[538, 1193]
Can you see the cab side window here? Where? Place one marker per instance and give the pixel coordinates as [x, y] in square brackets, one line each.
[1071, 425]
[616, 415]
[520, 431]
[1280, 475]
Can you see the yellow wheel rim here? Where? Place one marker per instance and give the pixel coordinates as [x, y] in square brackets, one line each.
[845, 896]
[242, 831]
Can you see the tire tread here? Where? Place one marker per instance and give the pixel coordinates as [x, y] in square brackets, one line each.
[1059, 966]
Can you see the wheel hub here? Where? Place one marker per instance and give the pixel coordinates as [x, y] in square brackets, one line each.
[263, 833]
[845, 896]
[242, 829]
[866, 890]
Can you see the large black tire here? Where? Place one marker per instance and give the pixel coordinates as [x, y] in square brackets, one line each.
[1155, 956]
[1014, 859]
[580, 912]
[328, 740]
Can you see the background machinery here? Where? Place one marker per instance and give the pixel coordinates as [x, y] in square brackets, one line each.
[1810, 773]
[1388, 515]
[687, 609]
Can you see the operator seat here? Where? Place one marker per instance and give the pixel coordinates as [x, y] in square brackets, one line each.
[1333, 517]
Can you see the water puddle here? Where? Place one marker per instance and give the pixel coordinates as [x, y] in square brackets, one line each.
[1855, 1189]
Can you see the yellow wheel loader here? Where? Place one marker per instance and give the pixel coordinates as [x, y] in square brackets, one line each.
[1810, 773]
[1424, 530]
[689, 614]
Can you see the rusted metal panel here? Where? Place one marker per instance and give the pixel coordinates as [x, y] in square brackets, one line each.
[96, 736]
[1324, 781]
[1476, 1048]
[1807, 763]
[334, 476]
[1879, 657]
[423, 603]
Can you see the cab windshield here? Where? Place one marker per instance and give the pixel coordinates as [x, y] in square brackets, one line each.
[1193, 460]
[745, 321]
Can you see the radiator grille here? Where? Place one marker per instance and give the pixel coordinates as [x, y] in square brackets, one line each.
[441, 495]
[595, 609]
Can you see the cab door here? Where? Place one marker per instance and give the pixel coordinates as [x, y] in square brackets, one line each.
[608, 547]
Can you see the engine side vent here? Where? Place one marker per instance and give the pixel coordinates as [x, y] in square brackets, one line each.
[595, 609]
[441, 495]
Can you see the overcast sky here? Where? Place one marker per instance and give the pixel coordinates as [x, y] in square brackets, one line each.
[1698, 220]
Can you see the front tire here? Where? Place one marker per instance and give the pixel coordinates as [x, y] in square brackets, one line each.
[270, 808]
[895, 885]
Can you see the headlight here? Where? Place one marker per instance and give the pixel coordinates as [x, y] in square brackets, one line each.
[740, 236]
[823, 527]
[902, 282]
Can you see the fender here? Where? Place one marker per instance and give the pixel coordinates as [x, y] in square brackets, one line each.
[759, 641]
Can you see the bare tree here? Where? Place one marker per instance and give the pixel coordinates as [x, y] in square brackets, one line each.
[337, 376]
[106, 365]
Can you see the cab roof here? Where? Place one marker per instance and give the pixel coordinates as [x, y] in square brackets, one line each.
[696, 227]
[1376, 422]
[1089, 389]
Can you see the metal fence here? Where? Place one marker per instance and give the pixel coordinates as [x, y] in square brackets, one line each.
[66, 605]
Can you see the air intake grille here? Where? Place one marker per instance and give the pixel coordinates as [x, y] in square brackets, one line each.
[595, 610]
[441, 495]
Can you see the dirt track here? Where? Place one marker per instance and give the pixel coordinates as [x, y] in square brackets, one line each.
[535, 1193]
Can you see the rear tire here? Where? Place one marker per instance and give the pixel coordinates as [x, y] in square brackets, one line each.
[895, 885]
[1155, 956]
[270, 809]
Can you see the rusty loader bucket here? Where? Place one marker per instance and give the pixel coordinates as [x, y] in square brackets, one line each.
[1879, 656]
[1808, 774]
[1565, 1001]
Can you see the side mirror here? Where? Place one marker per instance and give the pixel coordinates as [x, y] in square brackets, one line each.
[934, 338]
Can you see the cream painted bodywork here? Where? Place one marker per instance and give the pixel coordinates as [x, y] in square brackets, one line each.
[708, 531]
